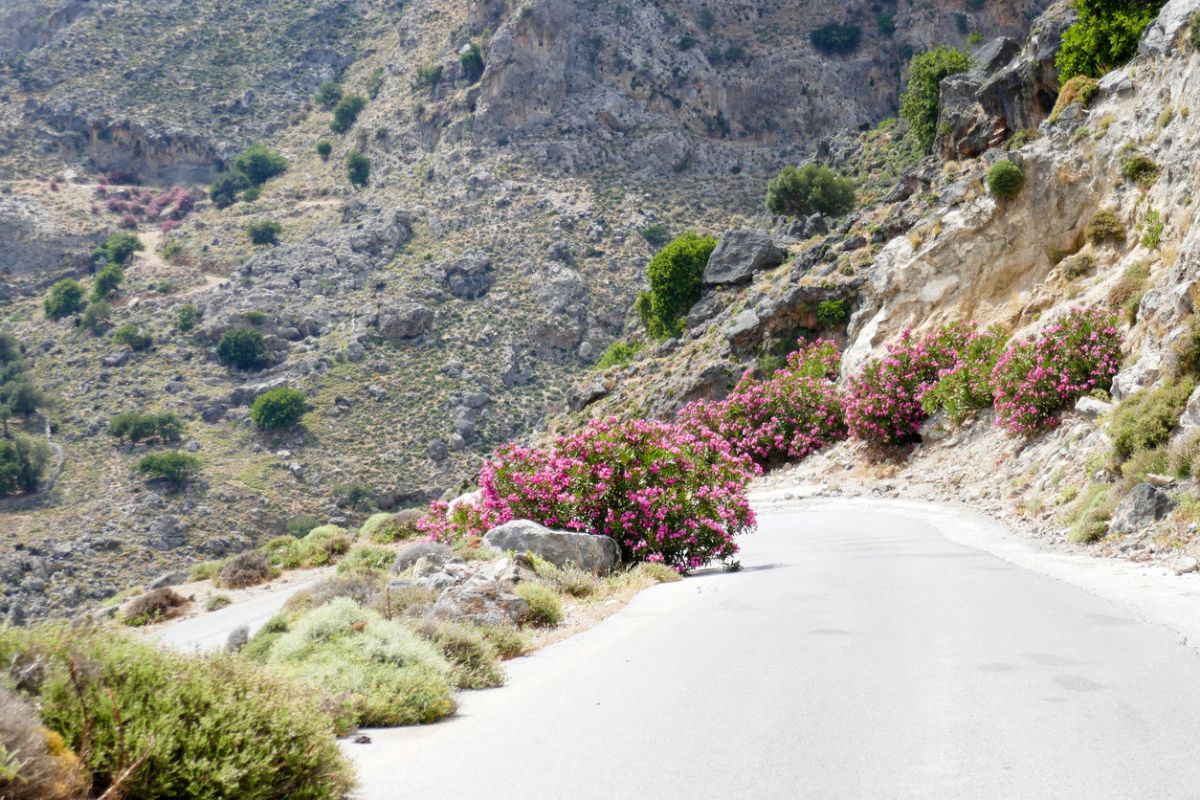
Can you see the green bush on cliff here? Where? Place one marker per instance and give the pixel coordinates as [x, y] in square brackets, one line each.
[920, 101]
[1105, 36]
[1005, 179]
[675, 274]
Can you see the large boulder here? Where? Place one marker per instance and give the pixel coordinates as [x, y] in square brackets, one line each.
[469, 277]
[598, 555]
[412, 553]
[1160, 36]
[407, 321]
[483, 603]
[740, 254]
[1142, 507]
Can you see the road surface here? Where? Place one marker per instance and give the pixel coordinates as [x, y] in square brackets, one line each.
[861, 654]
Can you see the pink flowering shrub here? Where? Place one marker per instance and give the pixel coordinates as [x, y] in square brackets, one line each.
[966, 386]
[883, 406]
[666, 493]
[1036, 379]
[786, 417]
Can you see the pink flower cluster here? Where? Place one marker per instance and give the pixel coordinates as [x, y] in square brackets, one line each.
[1036, 379]
[666, 493]
[883, 404]
[786, 417]
[171, 205]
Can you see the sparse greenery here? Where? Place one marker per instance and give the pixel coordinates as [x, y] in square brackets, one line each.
[95, 316]
[1152, 230]
[1022, 138]
[427, 77]
[366, 558]
[65, 298]
[277, 408]
[1128, 291]
[358, 168]
[243, 348]
[811, 188]
[657, 234]
[137, 427]
[471, 60]
[619, 354]
[346, 112]
[474, 663]
[836, 38]
[919, 103]
[1092, 510]
[1144, 420]
[675, 274]
[1105, 36]
[324, 149]
[1005, 179]
[133, 337]
[264, 232]
[174, 468]
[1080, 89]
[545, 609]
[1139, 168]
[187, 317]
[300, 526]
[1105, 226]
[328, 94]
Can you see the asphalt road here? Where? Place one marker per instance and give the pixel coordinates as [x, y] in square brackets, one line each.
[860, 654]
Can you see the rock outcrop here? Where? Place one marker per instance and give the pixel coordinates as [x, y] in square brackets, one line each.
[599, 555]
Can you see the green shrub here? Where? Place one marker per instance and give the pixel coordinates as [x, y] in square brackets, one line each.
[278, 408]
[1139, 168]
[95, 317]
[107, 281]
[187, 317]
[836, 39]
[245, 570]
[300, 526]
[1091, 514]
[386, 528]
[320, 546]
[1152, 230]
[206, 727]
[173, 468]
[427, 77]
[474, 663]
[243, 348]
[256, 317]
[118, 248]
[832, 313]
[1022, 138]
[172, 251]
[225, 189]
[358, 168]
[131, 336]
[65, 298]
[206, 571]
[366, 558]
[676, 274]
[1080, 89]
[967, 387]
[328, 94]
[354, 495]
[811, 188]
[264, 232]
[382, 673]
[153, 606]
[1184, 455]
[22, 461]
[471, 60]
[919, 103]
[137, 427]
[324, 149]
[252, 194]
[545, 609]
[1105, 226]
[1145, 419]
[259, 164]
[656, 235]
[1105, 36]
[620, 353]
[346, 112]
[1005, 179]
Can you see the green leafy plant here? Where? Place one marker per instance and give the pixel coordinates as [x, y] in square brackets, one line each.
[919, 103]
[471, 60]
[676, 273]
[133, 337]
[1145, 419]
[264, 232]
[619, 354]
[324, 149]
[243, 348]
[137, 427]
[65, 298]
[346, 112]
[1152, 230]
[358, 168]
[328, 94]
[22, 461]
[832, 313]
[545, 609]
[107, 281]
[259, 164]
[176, 469]
[967, 386]
[277, 408]
[836, 38]
[1105, 36]
[1005, 179]
[1105, 226]
[1139, 168]
[811, 188]
[187, 317]
[119, 248]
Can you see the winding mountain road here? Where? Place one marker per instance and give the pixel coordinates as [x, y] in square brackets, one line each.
[864, 652]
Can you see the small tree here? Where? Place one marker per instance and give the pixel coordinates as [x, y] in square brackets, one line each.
[225, 189]
[278, 408]
[187, 317]
[800, 191]
[264, 232]
[1005, 179]
[119, 248]
[243, 348]
[65, 298]
[1105, 36]
[174, 468]
[675, 274]
[472, 63]
[919, 103]
[358, 168]
[259, 164]
[107, 281]
[328, 94]
[131, 336]
[836, 39]
[324, 149]
[21, 463]
[137, 427]
[346, 112]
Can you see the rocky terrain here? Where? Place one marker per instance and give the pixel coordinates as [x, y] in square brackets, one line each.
[445, 307]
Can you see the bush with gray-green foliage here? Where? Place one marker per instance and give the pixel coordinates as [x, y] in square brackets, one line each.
[474, 662]
[366, 558]
[320, 546]
[207, 728]
[1145, 419]
[545, 609]
[920, 101]
[380, 673]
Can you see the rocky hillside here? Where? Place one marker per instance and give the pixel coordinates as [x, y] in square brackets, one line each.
[1104, 219]
[440, 309]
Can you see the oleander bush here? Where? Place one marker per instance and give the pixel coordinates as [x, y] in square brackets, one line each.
[1036, 379]
[785, 417]
[966, 386]
[667, 493]
[883, 401]
[149, 724]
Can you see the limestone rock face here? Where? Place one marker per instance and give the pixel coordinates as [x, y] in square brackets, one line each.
[599, 555]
